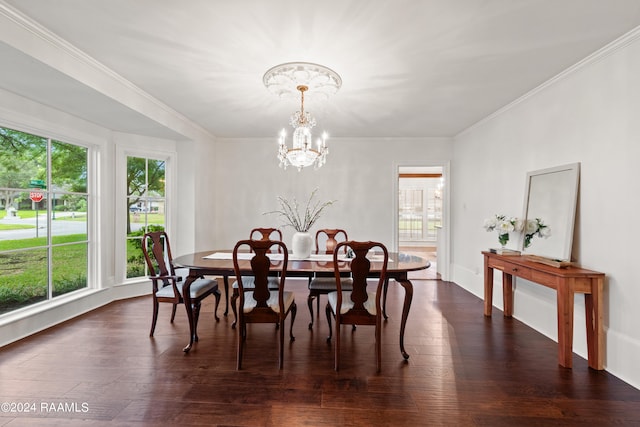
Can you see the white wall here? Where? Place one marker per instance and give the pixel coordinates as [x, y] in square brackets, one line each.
[588, 115]
[360, 174]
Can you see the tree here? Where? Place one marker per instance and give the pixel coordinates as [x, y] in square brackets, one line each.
[22, 158]
[69, 167]
[145, 178]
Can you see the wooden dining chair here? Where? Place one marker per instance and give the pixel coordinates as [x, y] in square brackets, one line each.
[260, 234]
[323, 283]
[260, 303]
[167, 286]
[358, 306]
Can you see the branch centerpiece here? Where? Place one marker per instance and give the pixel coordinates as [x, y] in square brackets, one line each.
[290, 215]
[289, 212]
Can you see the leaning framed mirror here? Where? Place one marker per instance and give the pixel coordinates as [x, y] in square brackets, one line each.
[550, 201]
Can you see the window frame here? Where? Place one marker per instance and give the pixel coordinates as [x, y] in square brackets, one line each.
[122, 155]
[93, 281]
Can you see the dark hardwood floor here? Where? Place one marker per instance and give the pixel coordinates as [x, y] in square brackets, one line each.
[464, 370]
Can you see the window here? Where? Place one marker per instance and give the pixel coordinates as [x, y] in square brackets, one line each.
[43, 219]
[146, 208]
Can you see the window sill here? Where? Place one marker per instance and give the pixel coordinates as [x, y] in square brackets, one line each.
[45, 306]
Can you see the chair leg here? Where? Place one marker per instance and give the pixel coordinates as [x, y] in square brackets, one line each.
[281, 343]
[337, 356]
[196, 316]
[173, 312]
[154, 319]
[385, 287]
[329, 314]
[378, 345]
[215, 311]
[310, 299]
[294, 310]
[234, 298]
[241, 337]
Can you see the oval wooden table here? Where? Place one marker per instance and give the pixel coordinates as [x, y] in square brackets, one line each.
[219, 263]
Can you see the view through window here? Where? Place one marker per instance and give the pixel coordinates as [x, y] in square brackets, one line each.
[146, 208]
[420, 207]
[43, 219]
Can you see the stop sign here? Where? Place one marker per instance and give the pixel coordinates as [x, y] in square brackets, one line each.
[36, 196]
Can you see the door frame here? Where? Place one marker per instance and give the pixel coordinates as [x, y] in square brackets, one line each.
[443, 250]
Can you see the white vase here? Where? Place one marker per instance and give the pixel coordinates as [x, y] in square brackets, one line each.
[301, 244]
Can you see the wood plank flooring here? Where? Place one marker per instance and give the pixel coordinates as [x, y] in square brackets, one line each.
[464, 370]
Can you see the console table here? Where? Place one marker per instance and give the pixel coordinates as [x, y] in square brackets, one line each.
[567, 282]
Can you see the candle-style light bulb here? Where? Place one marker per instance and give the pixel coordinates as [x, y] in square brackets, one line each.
[283, 135]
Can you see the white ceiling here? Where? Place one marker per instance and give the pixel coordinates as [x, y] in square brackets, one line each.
[410, 68]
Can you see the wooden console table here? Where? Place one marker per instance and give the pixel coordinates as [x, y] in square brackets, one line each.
[566, 282]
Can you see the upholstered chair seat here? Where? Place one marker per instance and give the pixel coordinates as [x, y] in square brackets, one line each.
[250, 303]
[198, 288]
[347, 303]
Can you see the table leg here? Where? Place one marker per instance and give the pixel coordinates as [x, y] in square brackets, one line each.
[507, 294]
[385, 288]
[595, 334]
[565, 324]
[408, 297]
[488, 288]
[186, 295]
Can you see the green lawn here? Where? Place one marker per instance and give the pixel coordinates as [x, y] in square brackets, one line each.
[23, 262]
[24, 274]
[22, 214]
[15, 226]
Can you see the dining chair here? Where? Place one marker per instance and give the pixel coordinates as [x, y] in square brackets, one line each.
[260, 303]
[323, 283]
[358, 306]
[262, 234]
[166, 284]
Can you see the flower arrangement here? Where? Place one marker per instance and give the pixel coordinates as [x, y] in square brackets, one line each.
[289, 212]
[503, 225]
[535, 227]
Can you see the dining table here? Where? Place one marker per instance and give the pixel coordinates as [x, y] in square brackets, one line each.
[220, 263]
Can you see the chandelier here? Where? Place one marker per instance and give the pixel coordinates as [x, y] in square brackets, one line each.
[304, 77]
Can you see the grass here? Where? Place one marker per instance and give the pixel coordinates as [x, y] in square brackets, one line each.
[24, 214]
[15, 226]
[24, 274]
[24, 263]
[35, 242]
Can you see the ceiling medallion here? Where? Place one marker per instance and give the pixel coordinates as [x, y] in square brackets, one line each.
[284, 80]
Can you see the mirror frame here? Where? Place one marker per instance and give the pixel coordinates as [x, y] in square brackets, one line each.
[570, 174]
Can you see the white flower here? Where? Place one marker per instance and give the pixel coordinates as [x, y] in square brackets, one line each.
[518, 224]
[491, 223]
[505, 226]
[531, 226]
[545, 231]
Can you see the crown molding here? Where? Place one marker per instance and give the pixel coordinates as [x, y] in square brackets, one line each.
[37, 41]
[609, 49]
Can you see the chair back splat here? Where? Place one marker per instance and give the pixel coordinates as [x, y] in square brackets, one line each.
[358, 305]
[262, 234]
[260, 303]
[323, 283]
